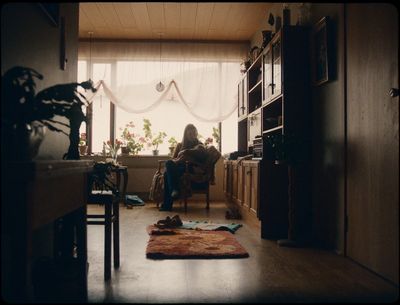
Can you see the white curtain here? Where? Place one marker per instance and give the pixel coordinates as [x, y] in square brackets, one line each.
[202, 76]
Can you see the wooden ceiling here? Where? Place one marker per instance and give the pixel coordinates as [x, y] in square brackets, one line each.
[220, 21]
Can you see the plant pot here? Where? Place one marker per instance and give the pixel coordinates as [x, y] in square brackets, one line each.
[124, 150]
[83, 150]
[171, 150]
[24, 141]
[155, 152]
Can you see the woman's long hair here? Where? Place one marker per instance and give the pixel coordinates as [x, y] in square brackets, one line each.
[188, 143]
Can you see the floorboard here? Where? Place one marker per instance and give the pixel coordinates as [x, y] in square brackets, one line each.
[270, 274]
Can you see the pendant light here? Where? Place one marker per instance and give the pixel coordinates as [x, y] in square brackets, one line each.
[90, 56]
[160, 86]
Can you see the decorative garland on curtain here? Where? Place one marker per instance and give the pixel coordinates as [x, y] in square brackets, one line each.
[203, 76]
[172, 84]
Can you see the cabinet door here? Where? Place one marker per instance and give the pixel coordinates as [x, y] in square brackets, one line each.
[247, 185]
[240, 184]
[226, 175]
[267, 66]
[234, 181]
[254, 198]
[277, 65]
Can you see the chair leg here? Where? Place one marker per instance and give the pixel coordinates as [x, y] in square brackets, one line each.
[208, 199]
[107, 241]
[116, 233]
[185, 201]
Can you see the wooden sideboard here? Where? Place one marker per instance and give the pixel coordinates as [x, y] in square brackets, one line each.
[258, 190]
[34, 195]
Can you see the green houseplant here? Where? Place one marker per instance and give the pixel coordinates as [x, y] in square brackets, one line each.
[82, 144]
[26, 114]
[216, 135]
[172, 144]
[153, 139]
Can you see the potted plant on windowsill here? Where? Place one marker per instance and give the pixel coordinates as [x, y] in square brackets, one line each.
[132, 143]
[172, 144]
[82, 144]
[26, 115]
[153, 140]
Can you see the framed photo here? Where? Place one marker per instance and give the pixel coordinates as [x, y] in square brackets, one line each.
[52, 10]
[321, 52]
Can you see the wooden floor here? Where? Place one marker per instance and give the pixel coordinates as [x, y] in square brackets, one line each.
[270, 274]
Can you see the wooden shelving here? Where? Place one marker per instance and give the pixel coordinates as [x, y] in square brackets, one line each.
[277, 83]
[272, 129]
[274, 99]
[256, 86]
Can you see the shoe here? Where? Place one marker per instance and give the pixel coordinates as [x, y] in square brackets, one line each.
[176, 221]
[175, 194]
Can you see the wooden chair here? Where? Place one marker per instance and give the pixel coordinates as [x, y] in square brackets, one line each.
[198, 177]
[110, 199]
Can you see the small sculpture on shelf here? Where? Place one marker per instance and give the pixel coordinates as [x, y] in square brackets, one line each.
[267, 36]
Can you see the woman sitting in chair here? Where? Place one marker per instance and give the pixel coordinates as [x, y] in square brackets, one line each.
[190, 149]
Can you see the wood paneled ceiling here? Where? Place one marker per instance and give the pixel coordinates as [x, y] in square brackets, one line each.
[220, 21]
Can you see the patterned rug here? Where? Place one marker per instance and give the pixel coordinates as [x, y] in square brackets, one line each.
[194, 244]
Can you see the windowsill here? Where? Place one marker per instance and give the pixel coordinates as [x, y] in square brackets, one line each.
[125, 156]
[132, 161]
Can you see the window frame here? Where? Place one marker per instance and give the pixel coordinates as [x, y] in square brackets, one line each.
[89, 109]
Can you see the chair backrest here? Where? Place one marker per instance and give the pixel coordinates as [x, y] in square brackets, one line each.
[206, 172]
[100, 178]
[213, 156]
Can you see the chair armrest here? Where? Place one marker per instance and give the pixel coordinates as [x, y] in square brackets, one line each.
[160, 163]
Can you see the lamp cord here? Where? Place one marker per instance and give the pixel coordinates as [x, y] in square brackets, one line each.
[90, 55]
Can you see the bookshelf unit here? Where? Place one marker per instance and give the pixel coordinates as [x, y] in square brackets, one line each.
[274, 98]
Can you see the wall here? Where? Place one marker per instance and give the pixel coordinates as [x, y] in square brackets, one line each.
[328, 193]
[29, 39]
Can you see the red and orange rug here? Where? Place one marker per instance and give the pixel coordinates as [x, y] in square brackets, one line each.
[181, 243]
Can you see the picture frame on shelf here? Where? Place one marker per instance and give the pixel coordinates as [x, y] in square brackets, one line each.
[321, 49]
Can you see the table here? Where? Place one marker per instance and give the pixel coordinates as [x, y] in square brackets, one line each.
[35, 195]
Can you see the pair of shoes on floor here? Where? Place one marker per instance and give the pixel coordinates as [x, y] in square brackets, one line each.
[169, 222]
[175, 194]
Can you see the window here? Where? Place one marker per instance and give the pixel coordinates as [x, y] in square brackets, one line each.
[170, 116]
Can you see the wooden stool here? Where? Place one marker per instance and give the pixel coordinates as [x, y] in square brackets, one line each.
[110, 220]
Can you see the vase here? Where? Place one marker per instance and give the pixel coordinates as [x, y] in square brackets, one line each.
[125, 150]
[155, 152]
[267, 36]
[114, 156]
[24, 141]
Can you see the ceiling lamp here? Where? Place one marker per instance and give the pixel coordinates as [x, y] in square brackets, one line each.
[160, 86]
